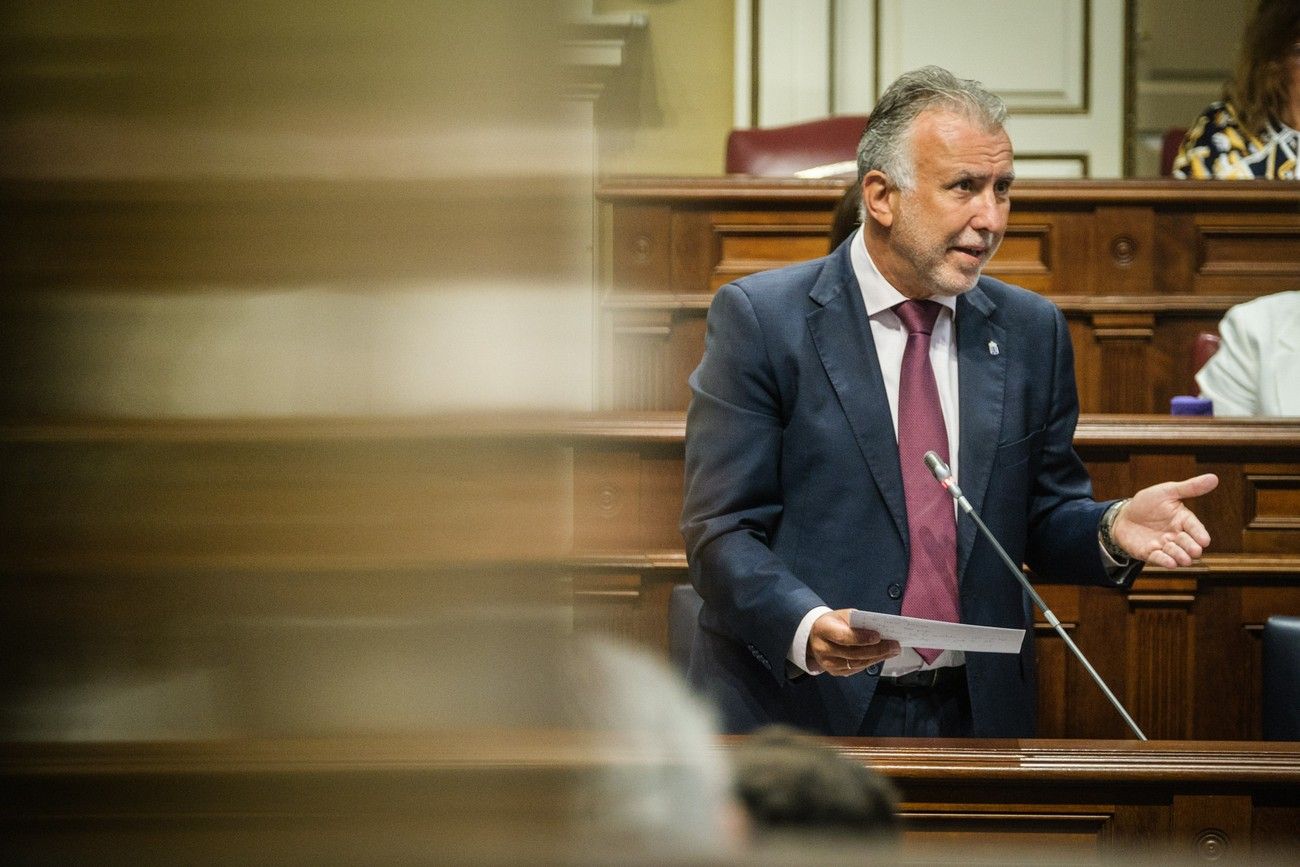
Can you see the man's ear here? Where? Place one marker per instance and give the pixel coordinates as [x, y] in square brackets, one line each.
[877, 198]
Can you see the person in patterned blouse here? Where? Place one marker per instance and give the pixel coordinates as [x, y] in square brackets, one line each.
[1254, 131]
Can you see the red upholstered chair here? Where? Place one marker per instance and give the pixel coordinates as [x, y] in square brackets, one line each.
[1205, 345]
[1169, 145]
[785, 150]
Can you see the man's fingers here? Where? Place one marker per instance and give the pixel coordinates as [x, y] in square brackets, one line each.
[864, 638]
[1159, 558]
[832, 657]
[832, 630]
[874, 651]
[1196, 486]
[1173, 550]
[843, 666]
[1188, 543]
[1193, 528]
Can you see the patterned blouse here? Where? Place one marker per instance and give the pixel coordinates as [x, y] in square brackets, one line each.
[1218, 147]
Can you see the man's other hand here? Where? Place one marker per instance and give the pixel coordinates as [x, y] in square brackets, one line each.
[836, 648]
[1157, 527]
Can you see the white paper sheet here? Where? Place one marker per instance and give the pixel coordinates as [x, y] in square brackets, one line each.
[916, 632]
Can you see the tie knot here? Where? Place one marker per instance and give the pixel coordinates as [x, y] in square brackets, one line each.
[918, 317]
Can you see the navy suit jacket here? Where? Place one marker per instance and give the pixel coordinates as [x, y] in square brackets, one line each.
[794, 496]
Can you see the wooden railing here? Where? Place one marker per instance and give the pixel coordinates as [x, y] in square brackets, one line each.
[1139, 268]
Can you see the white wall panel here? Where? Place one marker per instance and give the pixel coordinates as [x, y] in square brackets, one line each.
[794, 50]
[1059, 64]
[1029, 51]
[854, 67]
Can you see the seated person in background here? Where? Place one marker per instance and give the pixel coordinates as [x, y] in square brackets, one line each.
[1252, 132]
[799, 792]
[1257, 368]
[847, 216]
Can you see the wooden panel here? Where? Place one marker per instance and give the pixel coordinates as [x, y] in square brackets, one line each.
[642, 251]
[1180, 648]
[606, 500]
[1271, 504]
[1122, 343]
[749, 241]
[607, 603]
[1027, 830]
[1140, 268]
[1109, 800]
[1025, 257]
[1261, 247]
[1123, 250]
[1162, 657]
[662, 483]
[1215, 827]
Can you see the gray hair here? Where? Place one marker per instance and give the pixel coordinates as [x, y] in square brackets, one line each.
[884, 145]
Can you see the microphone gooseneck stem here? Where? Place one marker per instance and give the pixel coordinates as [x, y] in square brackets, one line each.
[941, 472]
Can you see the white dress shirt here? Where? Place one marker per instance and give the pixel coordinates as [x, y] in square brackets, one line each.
[891, 339]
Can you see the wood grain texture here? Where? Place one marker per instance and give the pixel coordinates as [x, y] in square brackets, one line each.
[1139, 267]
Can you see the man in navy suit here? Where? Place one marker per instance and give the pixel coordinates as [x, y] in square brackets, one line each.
[803, 499]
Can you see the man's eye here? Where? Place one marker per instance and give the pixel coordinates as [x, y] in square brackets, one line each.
[964, 186]
[1003, 187]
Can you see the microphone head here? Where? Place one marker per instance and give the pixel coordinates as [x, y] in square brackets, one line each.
[937, 467]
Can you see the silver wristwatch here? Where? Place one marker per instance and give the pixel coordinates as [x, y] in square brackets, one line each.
[1107, 540]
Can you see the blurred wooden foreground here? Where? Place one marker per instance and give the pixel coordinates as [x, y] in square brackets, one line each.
[496, 799]
[234, 637]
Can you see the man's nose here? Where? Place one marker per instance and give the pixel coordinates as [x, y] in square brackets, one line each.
[990, 213]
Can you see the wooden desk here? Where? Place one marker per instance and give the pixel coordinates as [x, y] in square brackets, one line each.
[1092, 799]
[1181, 648]
[1139, 267]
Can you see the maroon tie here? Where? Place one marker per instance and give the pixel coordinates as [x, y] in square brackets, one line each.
[932, 529]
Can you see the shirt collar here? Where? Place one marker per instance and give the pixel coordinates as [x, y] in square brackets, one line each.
[877, 292]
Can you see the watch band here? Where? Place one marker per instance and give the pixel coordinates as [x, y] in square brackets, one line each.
[1104, 530]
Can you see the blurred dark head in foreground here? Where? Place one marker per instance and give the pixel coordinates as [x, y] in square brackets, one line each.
[794, 787]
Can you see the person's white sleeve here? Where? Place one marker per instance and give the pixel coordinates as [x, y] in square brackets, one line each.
[1114, 568]
[799, 646]
[1231, 377]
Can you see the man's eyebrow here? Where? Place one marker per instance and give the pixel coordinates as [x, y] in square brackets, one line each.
[966, 175]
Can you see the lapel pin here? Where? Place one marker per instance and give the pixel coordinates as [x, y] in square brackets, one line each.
[993, 347]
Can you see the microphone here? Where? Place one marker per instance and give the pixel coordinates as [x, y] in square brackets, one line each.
[944, 476]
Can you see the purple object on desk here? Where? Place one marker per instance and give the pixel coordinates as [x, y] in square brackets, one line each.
[1186, 405]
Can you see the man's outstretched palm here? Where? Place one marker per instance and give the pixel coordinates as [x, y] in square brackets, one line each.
[1156, 525]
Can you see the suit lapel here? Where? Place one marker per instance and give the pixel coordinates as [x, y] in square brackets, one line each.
[841, 333]
[981, 376]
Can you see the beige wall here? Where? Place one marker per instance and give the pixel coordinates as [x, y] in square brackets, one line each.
[254, 210]
[669, 109]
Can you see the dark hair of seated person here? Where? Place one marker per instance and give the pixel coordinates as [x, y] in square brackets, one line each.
[792, 785]
[847, 216]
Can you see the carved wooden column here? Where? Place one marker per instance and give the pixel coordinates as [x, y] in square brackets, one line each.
[1161, 656]
[1123, 257]
[1124, 343]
